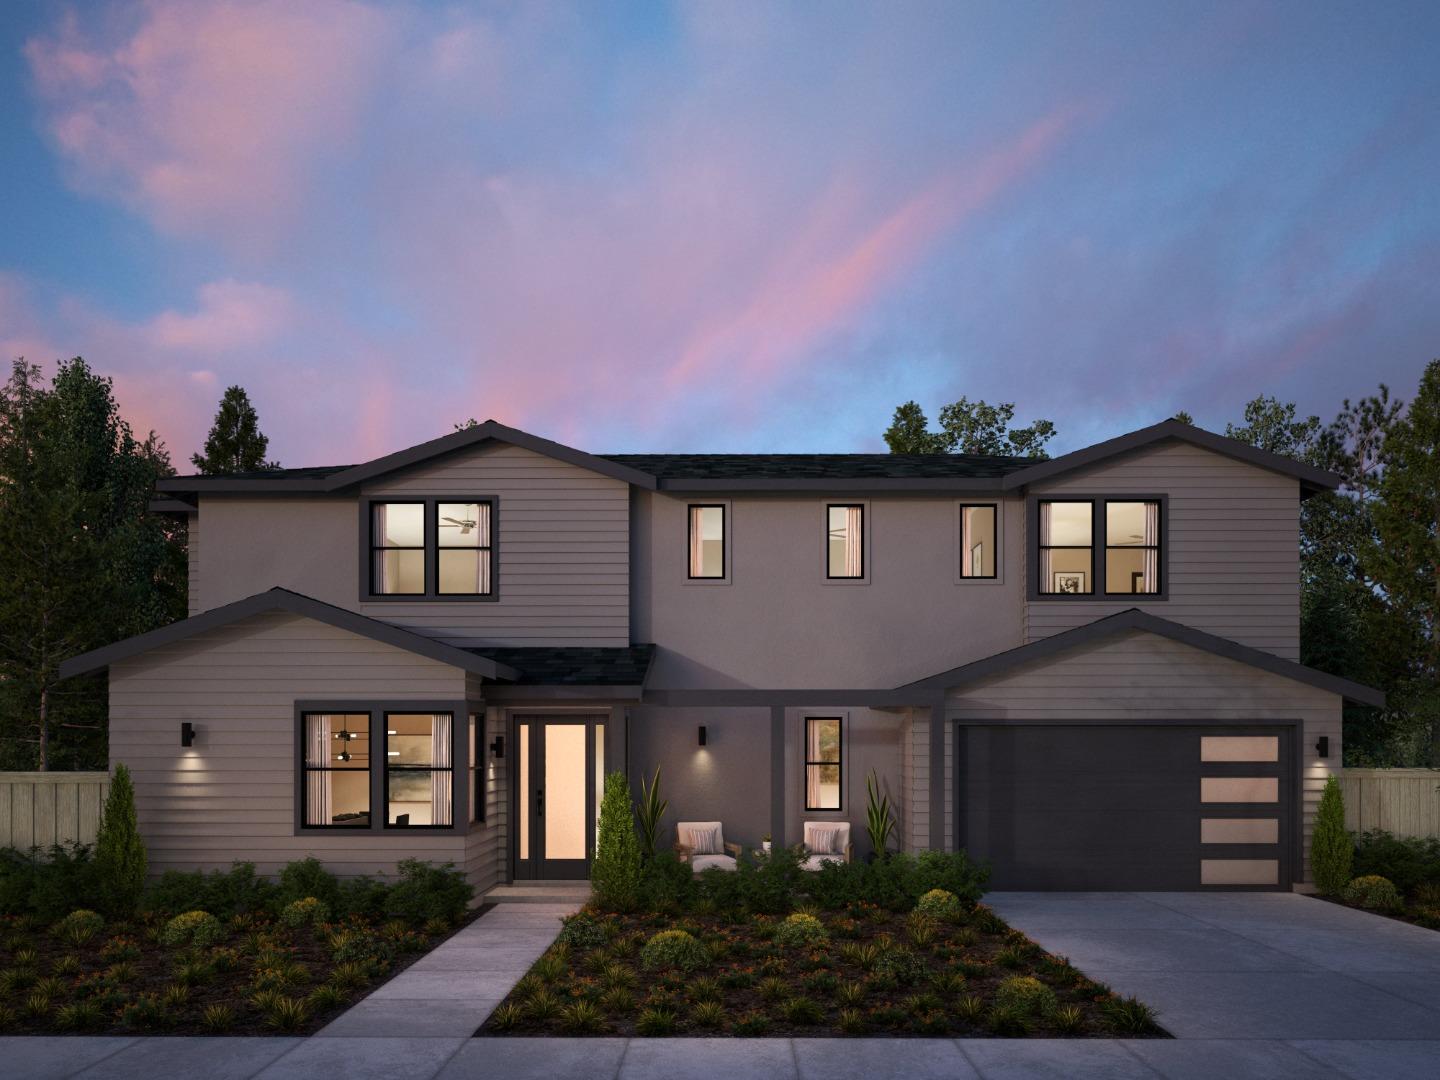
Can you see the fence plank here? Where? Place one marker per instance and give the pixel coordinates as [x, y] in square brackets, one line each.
[1405, 802]
[38, 809]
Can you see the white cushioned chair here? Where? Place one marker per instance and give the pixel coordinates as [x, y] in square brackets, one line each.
[826, 841]
[702, 844]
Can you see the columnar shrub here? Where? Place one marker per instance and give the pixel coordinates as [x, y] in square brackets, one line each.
[198, 928]
[1374, 893]
[1331, 849]
[674, 949]
[800, 930]
[119, 852]
[940, 904]
[615, 872]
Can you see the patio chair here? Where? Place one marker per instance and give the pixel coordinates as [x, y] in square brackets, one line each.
[702, 844]
[827, 841]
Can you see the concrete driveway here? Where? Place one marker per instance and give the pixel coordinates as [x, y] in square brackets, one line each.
[1329, 982]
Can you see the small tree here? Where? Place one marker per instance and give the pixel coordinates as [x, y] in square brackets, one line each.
[119, 852]
[1331, 850]
[235, 444]
[615, 874]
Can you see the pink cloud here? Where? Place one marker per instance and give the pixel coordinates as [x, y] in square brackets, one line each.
[231, 315]
[211, 116]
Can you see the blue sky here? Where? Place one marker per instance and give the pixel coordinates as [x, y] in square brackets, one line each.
[711, 227]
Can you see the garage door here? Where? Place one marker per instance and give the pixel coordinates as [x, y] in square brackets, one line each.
[1139, 807]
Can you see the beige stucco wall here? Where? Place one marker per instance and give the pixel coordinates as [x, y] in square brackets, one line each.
[1234, 546]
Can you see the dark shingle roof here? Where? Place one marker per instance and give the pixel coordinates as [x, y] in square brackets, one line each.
[819, 466]
[574, 665]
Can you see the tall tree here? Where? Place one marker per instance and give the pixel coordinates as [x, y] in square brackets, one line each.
[81, 562]
[967, 427]
[236, 443]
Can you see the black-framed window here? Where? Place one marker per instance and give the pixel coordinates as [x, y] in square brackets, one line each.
[1132, 546]
[477, 767]
[706, 541]
[335, 788]
[979, 536]
[418, 771]
[1066, 547]
[845, 540]
[397, 548]
[463, 541]
[824, 763]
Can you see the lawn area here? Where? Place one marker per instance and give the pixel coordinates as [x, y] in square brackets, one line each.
[851, 950]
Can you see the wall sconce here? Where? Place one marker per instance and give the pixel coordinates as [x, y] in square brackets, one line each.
[187, 733]
[498, 746]
[702, 734]
[1322, 746]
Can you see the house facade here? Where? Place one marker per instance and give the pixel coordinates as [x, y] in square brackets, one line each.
[1083, 670]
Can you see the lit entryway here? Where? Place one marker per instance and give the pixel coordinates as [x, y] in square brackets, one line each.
[560, 770]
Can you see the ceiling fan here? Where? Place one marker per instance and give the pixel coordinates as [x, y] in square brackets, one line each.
[465, 525]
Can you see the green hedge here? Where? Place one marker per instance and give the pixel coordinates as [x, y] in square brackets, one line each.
[1407, 861]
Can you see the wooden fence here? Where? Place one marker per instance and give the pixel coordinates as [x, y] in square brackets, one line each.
[38, 809]
[1405, 802]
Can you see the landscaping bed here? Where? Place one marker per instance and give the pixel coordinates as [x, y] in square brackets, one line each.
[221, 953]
[1398, 877]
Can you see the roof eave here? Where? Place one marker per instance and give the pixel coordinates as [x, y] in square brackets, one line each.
[913, 484]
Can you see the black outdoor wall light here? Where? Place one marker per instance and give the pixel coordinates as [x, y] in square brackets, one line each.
[498, 746]
[1322, 746]
[702, 734]
[187, 733]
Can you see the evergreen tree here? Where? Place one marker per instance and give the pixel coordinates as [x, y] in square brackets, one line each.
[967, 427]
[236, 443]
[1331, 849]
[120, 859]
[615, 873]
[82, 563]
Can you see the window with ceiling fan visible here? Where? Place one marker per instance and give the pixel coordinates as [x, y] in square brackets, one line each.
[431, 549]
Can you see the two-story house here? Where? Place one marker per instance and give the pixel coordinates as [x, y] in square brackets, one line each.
[1083, 670]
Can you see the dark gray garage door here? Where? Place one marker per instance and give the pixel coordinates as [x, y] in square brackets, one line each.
[1125, 806]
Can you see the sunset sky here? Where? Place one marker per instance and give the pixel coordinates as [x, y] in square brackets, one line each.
[717, 226]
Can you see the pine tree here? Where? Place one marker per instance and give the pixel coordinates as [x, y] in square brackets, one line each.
[1331, 850]
[120, 860]
[236, 443]
[615, 873]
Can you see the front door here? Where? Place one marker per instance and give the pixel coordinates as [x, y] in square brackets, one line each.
[560, 770]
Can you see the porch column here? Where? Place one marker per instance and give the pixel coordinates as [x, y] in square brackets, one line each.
[937, 774]
[777, 776]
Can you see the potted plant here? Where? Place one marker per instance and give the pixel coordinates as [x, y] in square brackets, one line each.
[765, 843]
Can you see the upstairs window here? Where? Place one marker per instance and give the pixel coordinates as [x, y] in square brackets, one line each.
[462, 532]
[1067, 548]
[1132, 547]
[707, 541]
[979, 554]
[845, 541]
[397, 548]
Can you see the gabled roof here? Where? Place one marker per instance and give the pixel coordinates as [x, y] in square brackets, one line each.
[278, 599]
[1135, 619]
[1311, 479]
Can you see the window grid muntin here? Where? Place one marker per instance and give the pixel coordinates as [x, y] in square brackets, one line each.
[378, 546]
[484, 551]
[307, 769]
[1160, 526]
[387, 768]
[1045, 588]
[838, 763]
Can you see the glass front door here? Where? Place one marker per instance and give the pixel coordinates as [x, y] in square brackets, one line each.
[560, 772]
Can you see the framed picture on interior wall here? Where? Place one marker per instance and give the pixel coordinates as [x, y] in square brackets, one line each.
[1069, 582]
[1137, 581]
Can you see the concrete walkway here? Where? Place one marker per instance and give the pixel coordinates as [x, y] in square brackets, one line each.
[1253, 985]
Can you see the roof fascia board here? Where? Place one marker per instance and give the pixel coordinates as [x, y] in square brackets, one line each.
[919, 484]
[283, 600]
[1174, 429]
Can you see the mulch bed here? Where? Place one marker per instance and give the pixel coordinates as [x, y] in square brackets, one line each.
[838, 987]
[1412, 914]
[124, 981]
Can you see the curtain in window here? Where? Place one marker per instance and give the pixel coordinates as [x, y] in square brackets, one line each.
[440, 782]
[317, 784]
[812, 774]
[854, 555]
[1047, 563]
[1150, 576]
[381, 583]
[697, 542]
[482, 541]
[967, 546]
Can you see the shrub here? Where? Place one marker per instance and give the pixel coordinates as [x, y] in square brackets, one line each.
[582, 931]
[1009, 1021]
[1027, 994]
[1407, 861]
[119, 852]
[427, 892]
[900, 964]
[310, 911]
[649, 810]
[80, 1016]
[657, 1021]
[674, 949]
[1129, 1016]
[837, 884]
[615, 870]
[308, 878]
[217, 1019]
[708, 1014]
[236, 891]
[1331, 849]
[198, 928]
[753, 1022]
[47, 884]
[771, 885]
[718, 887]
[363, 896]
[79, 926]
[287, 1013]
[940, 904]
[951, 871]
[802, 1010]
[1373, 893]
[800, 930]
[665, 883]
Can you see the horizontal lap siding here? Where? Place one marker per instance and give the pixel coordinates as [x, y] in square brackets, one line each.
[192, 555]
[1140, 676]
[1234, 552]
[232, 795]
[562, 548]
